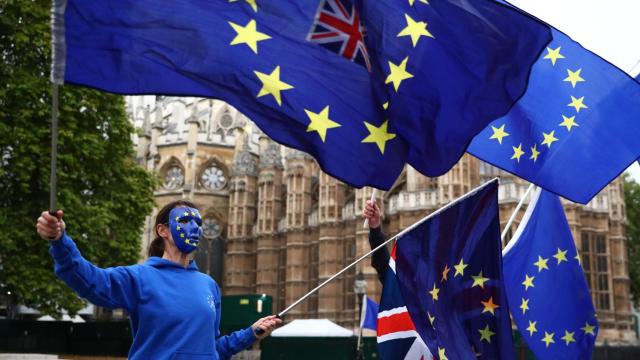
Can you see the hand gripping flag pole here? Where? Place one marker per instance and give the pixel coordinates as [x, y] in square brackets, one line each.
[400, 234]
[373, 198]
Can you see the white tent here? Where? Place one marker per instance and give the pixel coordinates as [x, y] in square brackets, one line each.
[65, 317]
[312, 328]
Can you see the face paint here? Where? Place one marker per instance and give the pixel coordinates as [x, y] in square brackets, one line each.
[186, 228]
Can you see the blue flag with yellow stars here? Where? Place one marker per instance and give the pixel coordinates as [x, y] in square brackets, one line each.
[450, 273]
[574, 130]
[306, 72]
[546, 287]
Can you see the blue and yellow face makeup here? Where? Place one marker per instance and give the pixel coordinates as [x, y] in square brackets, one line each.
[186, 228]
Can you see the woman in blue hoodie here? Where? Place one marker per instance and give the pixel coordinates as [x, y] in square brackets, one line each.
[174, 309]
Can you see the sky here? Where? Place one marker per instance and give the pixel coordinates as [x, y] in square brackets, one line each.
[609, 28]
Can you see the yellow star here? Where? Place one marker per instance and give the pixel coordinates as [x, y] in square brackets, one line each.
[253, 4]
[178, 228]
[528, 282]
[532, 327]
[568, 122]
[588, 329]
[549, 138]
[577, 257]
[486, 334]
[541, 263]
[398, 73]
[320, 122]
[568, 337]
[578, 103]
[574, 77]
[441, 354]
[524, 306]
[385, 105]
[489, 306]
[498, 133]
[534, 153]
[479, 280]
[561, 256]
[378, 135]
[415, 29]
[460, 268]
[411, 2]
[445, 273]
[548, 338]
[517, 152]
[434, 293]
[271, 84]
[181, 235]
[431, 318]
[248, 35]
[554, 55]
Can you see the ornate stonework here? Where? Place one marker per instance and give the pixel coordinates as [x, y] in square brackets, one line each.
[278, 225]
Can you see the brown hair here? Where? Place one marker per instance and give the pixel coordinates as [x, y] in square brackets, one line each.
[156, 247]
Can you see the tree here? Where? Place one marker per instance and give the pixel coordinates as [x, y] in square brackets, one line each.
[632, 202]
[104, 194]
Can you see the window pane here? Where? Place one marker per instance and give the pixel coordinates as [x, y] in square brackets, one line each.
[586, 262]
[601, 245]
[585, 242]
[602, 264]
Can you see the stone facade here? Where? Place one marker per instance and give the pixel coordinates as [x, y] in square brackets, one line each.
[274, 223]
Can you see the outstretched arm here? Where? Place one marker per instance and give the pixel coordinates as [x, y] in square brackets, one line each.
[380, 258]
[111, 288]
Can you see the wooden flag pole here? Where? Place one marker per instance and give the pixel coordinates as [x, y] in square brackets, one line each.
[398, 235]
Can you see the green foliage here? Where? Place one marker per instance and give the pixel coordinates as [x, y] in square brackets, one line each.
[632, 201]
[104, 194]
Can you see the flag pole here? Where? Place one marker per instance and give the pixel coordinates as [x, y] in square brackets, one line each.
[515, 212]
[398, 235]
[58, 56]
[373, 198]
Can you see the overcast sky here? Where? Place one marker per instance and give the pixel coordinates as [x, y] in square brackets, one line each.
[609, 28]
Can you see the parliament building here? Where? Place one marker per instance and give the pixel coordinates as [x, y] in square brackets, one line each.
[275, 224]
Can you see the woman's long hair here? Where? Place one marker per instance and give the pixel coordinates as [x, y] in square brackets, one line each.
[156, 247]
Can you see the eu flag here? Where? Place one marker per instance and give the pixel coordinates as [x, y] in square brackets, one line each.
[304, 72]
[574, 130]
[546, 286]
[450, 273]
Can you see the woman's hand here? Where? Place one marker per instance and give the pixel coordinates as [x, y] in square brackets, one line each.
[371, 212]
[267, 324]
[50, 227]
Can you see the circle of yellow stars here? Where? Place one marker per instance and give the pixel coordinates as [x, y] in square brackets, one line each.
[574, 78]
[488, 305]
[529, 282]
[274, 85]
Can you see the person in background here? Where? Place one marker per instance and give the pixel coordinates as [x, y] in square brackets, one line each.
[174, 309]
[380, 258]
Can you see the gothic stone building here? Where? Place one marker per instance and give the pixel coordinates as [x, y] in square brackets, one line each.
[274, 223]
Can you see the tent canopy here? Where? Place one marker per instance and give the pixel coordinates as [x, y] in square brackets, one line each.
[312, 328]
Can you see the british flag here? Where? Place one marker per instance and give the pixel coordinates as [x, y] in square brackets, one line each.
[337, 28]
[397, 335]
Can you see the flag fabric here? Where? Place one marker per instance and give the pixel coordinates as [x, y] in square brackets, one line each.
[301, 69]
[397, 335]
[449, 272]
[369, 314]
[546, 287]
[574, 130]
[449, 68]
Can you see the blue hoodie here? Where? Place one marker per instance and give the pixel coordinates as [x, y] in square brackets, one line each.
[174, 312]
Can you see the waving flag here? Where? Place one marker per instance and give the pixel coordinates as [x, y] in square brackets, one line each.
[449, 271]
[578, 116]
[300, 69]
[542, 259]
[369, 314]
[397, 336]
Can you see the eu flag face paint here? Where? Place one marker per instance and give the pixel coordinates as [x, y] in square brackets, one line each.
[186, 228]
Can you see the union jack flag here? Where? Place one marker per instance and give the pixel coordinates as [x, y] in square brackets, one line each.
[337, 28]
[397, 335]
